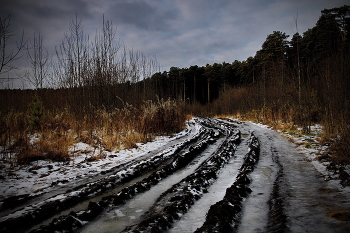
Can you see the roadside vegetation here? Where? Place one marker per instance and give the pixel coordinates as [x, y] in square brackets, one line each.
[100, 92]
[42, 134]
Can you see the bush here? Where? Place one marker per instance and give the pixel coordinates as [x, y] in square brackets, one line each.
[35, 113]
[46, 146]
[162, 117]
[341, 149]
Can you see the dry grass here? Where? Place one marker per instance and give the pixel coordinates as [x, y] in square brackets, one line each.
[161, 117]
[340, 149]
[48, 146]
[340, 145]
[55, 132]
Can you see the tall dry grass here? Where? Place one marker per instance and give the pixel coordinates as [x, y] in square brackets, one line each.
[249, 103]
[29, 136]
[161, 117]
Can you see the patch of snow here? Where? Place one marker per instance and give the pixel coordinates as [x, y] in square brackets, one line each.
[260, 125]
[307, 145]
[195, 216]
[310, 146]
[37, 177]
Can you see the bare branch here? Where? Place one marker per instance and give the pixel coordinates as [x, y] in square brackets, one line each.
[38, 57]
[6, 35]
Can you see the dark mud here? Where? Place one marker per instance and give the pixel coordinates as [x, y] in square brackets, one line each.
[288, 204]
[172, 204]
[181, 159]
[224, 216]
[277, 219]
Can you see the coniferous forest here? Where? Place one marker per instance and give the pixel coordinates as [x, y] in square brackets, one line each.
[298, 79]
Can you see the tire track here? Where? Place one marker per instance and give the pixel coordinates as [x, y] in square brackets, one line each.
[14, 203]
[195, 217]
[119, 217]
[277, 219]
[184, 157]
[176, 201]
[175, 186]
[224, 216]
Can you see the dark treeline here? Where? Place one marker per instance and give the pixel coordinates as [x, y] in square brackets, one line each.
[302, 78]
[197, 85]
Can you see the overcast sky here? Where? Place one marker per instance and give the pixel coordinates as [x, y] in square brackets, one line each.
[178, 32]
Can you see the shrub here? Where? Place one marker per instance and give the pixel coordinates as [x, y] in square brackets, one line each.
[47, 146]
[35, 113]
[341, 149]
[162, 117]
[38, 134]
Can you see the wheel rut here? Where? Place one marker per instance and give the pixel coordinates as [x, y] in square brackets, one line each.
[224, 176]
[179, 160]
[177, 200]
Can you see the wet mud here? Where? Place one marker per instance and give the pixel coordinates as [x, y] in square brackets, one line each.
[292, 198]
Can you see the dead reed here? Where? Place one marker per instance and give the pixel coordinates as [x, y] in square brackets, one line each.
[40, 134]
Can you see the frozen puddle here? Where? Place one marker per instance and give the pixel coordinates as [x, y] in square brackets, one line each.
[117, 219]
[195, 216]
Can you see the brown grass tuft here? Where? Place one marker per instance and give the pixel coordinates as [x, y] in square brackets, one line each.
[340, 149]
[112, 130]
[47, 146]
[162, 117]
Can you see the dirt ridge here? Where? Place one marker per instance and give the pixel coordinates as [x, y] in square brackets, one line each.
[74, 220]
[224, 215]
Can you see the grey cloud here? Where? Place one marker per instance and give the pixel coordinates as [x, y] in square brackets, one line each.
[50, 18]
[179, 32]
[142, 15]
[43, 9]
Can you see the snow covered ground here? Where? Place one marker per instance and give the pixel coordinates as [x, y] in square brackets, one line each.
[294, 168]
[35, 178]
[38, 176]
[309, 146]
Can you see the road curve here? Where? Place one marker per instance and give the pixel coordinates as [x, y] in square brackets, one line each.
[225, 176]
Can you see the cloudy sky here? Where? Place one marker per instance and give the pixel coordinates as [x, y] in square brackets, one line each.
[178, 32]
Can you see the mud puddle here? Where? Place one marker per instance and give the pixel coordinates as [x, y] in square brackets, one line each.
[117, 219]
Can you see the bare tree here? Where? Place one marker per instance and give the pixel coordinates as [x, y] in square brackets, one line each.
[298, 58]
[72, 56]
[38, 57]
[7, 56]
[104, 52]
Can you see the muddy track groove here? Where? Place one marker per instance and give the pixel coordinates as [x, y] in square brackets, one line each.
[178, 199]
[225, 175]
[179, 159]
[224, 216]
[277, 219]
[16, 202]
[37, 213]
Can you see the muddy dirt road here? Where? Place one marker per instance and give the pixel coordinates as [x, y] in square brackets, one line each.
[220, 176]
